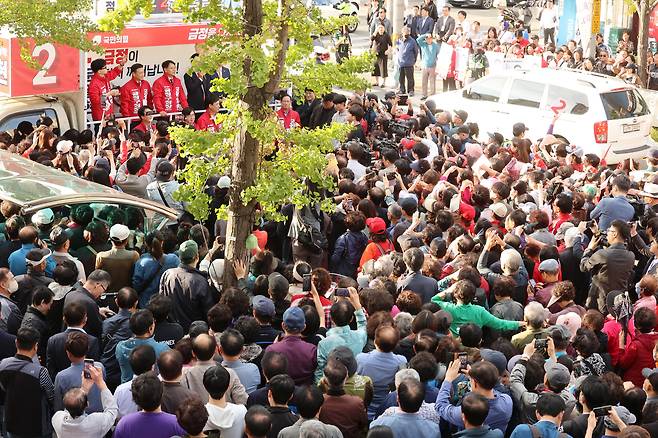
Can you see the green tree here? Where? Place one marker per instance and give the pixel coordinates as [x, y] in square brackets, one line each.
[268, 45]
[643, 9]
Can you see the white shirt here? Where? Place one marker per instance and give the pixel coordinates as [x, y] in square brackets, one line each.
[358, 169]
[124, 398]
[87, 425]
[548, 18]
[229, 420]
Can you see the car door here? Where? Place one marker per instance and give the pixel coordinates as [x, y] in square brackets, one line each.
[482, 101]
[523, 104]
[572, 118]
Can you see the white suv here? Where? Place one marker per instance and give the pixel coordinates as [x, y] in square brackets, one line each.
[602, 113]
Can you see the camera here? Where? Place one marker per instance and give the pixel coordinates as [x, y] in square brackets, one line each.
[342, 292]
[541, 344]
[399, 129]
[602, 411]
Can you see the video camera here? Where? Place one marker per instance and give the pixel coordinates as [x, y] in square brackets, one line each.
[398, 129]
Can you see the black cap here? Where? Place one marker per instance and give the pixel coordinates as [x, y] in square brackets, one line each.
[59, 235]
[497, 137]
[518, 129]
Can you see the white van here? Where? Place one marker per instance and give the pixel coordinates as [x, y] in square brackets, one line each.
[602, 113]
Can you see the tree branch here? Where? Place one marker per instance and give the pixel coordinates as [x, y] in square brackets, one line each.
[280, 59]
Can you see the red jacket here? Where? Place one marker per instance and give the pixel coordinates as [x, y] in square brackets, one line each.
[637, 356]
[134, 96]
[101, 105]
[289, 117]
[168, 94]
[206, 123]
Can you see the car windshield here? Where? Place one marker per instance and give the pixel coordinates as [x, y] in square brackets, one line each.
[624, 104]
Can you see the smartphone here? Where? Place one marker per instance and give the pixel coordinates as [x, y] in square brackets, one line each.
[541, 343]
[390, 176]
[602, 411]
[342, 292]
[88, 363]
[463, 361]
[306, 285]
[532, 283]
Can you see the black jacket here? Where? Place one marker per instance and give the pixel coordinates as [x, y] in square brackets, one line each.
[190, 292]
[35, 319]
[305, 111]
[94, 324]
[196, 92]
[321, 117]
[26, 285]
[56, 358]
[115, 330]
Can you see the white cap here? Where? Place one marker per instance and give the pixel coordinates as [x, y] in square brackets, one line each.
[43, 217]
[119, 232]
[224, 182]
[64, 146]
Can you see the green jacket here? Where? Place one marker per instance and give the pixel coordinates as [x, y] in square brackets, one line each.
[472, 313]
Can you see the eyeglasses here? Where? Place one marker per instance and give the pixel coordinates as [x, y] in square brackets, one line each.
[148, 114]
[103, 286]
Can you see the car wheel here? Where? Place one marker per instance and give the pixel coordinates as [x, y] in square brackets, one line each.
[487, 4]
[351, 28]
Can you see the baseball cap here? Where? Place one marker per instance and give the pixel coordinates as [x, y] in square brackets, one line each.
[648, 372]
[420, 166]
[64, 146]
[188, 250]
[499, 209]
[119, 232]
[495, 357]
[59, 235]
[102, 163]
[43, 217]
[376, 225]
[36, 256]
[408, 204]
[462, 115]
[263, 305]
[624, 415]
[561, 231]
[302, 268]
[389, 95]
[497, 137]
[277, 282]
[518, 129]
[198, 328]
[224, 182]
[549, 265]
[653, 154]
[164, 169]
[558, 375]
[294, 319]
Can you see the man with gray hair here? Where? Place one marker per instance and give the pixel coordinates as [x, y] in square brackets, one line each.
[88, 294]
[534, 315]
[426, 410]
[511, 265]
[414, 280]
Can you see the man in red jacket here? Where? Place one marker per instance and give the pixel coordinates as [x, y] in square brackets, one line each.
[288, 115]
[168, 93]
[135, 93]
[100, 90]
[206, 121]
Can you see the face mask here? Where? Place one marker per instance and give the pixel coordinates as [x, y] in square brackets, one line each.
[12, 286]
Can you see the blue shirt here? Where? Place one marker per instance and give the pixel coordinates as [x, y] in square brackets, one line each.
[609, 209]
[381, 368]
[148, 268]
[428, 52]
[406, 425]
[407, 52]
[71, 377]
[18, 266]
[247, 372]
[125, 347]
[500, 409]
[548, 429]
[355, 340]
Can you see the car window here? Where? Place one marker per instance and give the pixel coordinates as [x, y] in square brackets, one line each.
[526, 93]
[488, 89]
[623, 104]
[576, 102]
[10, 123]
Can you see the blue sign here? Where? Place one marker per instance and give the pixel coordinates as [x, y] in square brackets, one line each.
[568, 23]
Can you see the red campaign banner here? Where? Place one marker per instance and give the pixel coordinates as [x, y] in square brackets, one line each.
[60, 72]
[653, 23]
[148, 36]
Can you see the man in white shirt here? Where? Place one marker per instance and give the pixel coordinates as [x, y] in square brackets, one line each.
[340, 104]
[227, 418]
[354, 154]
[548, 21]
[142, 360]
[72, 422]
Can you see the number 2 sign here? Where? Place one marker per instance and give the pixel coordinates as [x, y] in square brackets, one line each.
[60, 71]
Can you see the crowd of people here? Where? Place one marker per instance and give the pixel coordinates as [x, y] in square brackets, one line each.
[464, 285]
[427, 27]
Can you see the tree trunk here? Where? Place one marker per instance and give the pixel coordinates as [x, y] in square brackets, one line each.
[643, 12]
[246, 153]
[246, 149]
